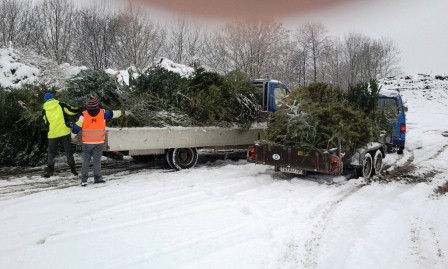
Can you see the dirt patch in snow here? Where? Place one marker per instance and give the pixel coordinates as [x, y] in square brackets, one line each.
[442, 189]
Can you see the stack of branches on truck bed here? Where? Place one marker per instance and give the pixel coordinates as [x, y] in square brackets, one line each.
[158, 97]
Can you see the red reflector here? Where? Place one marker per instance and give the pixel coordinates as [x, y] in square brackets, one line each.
[403, 128]
[252, 153]
[334, 163]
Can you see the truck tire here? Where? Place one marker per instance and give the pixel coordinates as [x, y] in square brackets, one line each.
[184, 158]
[169, 157]
[400, 150]
[367, 166]
[377, 163]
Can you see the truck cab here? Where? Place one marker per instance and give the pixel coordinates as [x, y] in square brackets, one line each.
[391, 102]
[272, 92]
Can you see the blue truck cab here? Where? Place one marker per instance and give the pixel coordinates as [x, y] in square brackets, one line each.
[272, 92]
[392, 104]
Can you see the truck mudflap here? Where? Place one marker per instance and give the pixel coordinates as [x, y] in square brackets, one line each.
[296, 160]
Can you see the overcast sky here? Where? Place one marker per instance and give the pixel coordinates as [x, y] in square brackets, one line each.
[419, 27]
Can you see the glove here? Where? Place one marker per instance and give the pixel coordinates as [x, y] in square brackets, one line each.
[72, 135]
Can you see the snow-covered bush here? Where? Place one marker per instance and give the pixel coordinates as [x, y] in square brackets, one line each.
[21, 66]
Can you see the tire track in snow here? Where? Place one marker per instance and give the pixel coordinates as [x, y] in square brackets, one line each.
[312, 245]
[436, 154]
[292, 249]
[427, 254]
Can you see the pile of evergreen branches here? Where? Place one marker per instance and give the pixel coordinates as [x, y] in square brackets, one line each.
[23, 135]
[159, 97]
[318, 115]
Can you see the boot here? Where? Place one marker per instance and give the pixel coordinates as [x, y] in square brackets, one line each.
[49, 171]
[99, 180]
[73, 169]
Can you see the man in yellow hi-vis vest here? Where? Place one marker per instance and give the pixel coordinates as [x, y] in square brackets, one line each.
[54, 115]
[92, 123]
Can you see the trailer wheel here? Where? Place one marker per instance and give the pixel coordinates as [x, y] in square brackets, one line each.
[184, 158]
[378, 163]
[169, 157]
[367, 166]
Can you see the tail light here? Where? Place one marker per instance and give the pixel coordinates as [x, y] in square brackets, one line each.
[251, 153]
[403, 128]
[334, 163]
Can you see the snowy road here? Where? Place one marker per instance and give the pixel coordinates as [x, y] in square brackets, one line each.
[239, 215]
[231, 215]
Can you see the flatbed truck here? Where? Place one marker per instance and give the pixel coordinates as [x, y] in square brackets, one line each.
[179, 145]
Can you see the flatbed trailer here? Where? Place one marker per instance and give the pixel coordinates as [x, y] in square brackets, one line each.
[365, 162]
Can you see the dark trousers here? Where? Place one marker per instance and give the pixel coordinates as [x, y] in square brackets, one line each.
[53, 149]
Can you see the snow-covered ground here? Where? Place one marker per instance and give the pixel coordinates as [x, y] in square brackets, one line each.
[240, 215]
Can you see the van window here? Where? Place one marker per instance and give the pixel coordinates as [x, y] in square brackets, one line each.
[279, 94]
[389, 106]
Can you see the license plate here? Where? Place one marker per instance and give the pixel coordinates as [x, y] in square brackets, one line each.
[291, 170]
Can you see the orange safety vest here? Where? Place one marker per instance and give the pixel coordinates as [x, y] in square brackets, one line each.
[93, 128]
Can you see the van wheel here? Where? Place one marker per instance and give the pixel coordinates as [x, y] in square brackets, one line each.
[377, 163]
[184, 158]
[400, 150]
[367, 166]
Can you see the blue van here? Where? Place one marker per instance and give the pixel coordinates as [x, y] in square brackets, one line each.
[272, 92]
[391, 102]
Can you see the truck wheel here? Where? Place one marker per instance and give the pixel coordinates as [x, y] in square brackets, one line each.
[169, 157]
[184, 158]
[367, 166]
[400, 150]
[378, 163]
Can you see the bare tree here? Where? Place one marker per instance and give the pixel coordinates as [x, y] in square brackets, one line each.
[96, 31]
[352, 48]
[367, 58]
[334, 62]
[213, 51]
[138, 41]
[183, 42]
[55, 29]
[390, 58]
[313, 39]
[253, 46]
[17, 23]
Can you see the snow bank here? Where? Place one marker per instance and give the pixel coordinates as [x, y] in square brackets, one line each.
[19, 67]
[13, 72]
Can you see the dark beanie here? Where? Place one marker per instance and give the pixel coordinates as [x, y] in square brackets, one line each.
[48, 96]
[92, 102]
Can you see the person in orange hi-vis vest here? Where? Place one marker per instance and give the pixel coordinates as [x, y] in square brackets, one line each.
[92, 123]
